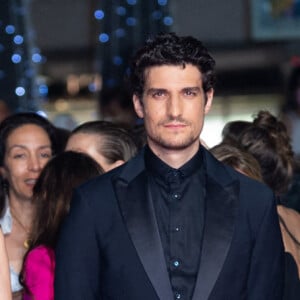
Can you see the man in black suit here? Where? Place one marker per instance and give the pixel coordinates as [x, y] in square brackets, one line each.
[172, 223]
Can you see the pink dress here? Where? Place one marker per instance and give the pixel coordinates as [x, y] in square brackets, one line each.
[39, 274]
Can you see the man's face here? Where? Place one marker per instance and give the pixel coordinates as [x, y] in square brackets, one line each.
[173, 106]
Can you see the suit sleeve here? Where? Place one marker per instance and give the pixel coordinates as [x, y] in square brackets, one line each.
[77, 269]
[266, 274]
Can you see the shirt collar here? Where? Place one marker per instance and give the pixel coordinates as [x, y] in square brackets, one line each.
[6, 220]
[160, 169]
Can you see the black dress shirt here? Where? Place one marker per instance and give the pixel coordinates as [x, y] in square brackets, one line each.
[178, 198]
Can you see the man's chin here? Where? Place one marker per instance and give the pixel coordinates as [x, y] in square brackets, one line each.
[174, 145]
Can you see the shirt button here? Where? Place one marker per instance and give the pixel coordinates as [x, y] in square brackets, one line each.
[176, 263]
[177, 229]
[177, 295]
[176, 196]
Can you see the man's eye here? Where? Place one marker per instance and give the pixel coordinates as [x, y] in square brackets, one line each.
[158, 94]
[190, 93]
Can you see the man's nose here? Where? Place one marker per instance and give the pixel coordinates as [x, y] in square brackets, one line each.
[175, 106]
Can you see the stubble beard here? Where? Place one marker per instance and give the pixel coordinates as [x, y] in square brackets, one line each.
[172, 144]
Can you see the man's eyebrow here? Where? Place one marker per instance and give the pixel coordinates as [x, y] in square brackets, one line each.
[192, 88]
[155, 90]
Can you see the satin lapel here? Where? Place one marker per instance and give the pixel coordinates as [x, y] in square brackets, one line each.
[138, 213]
[221, 205]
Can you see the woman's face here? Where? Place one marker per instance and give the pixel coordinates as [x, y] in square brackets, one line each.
[28, 149]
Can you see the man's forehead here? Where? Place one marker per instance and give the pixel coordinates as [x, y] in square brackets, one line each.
[161, 76]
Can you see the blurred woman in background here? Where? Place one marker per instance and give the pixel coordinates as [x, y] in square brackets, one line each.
[238, 159]
[52, 196]
[268, 141]
[109, 144]
[27, 142]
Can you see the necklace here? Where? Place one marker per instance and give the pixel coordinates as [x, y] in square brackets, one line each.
[27, 241]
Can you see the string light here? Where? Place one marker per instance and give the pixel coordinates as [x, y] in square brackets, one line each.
[121, 11]
[20, 91]
[99, 14]
[18, 39]
[133, 19]
[18, 59]
[103, 37]
[168, 21]
[131, 2]
[130, 21]
[10, 29]
[162, 2]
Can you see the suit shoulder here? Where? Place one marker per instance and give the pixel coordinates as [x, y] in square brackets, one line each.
[100, 182]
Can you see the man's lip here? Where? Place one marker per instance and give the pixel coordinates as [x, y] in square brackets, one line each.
[175, 125]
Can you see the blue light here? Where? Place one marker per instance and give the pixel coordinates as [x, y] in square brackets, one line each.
[92, 87]
[131, 21]
[157, 14]
[36, 58]
[117, 60]
[131, 2]
[168, 21]
[20, 91]
[18, 39]
[10, 29]
[120, 32]
[99, 14]
[43, 90]
[16, 58]
[103, 37]
[162, 2]
[121, 11]
[42, 113]
[29, 72]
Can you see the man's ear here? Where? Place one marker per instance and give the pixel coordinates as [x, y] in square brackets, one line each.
[138, 106]
[209, 100]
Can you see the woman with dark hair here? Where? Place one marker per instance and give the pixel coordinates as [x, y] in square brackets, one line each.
[268, 141]
[52, 196]
[27, 142]
[238, 159]
[109, 144]
[233, 130]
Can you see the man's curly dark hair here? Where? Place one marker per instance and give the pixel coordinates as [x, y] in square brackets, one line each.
[170, 49]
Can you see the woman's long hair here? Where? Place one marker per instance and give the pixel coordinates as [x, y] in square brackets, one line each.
[52, 195]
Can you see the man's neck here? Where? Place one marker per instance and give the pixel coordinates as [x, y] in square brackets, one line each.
[175, 158]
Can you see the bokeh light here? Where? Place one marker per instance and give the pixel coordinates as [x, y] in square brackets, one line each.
[99, 14]
[20, 91]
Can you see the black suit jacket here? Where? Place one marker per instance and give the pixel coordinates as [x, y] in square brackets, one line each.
[110, 248]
